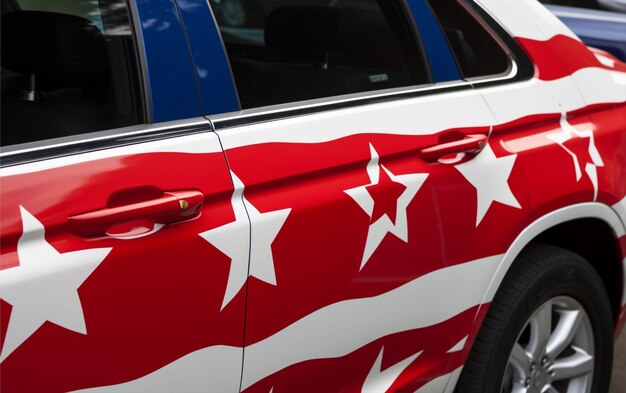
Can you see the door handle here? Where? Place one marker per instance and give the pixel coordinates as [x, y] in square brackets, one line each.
[472, 143]
[172, 207]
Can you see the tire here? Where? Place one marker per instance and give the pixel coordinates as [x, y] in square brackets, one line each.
[558, 290]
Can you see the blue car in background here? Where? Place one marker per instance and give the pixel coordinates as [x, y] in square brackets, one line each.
[600, 24]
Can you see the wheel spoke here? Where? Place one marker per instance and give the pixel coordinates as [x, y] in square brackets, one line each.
[564, 332]
[540, 329]
[519, 361]
[518, 387]
[550, 389]
[579, 364]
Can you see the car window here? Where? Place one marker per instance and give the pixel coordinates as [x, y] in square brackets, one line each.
[291, 50]
[85, 9]
[477, 52]
[68, 68]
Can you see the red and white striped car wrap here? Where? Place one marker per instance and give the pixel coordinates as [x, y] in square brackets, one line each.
[328, 256]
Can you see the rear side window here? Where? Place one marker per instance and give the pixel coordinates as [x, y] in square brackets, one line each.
[477, 51]
[282, 51]
[68, 68]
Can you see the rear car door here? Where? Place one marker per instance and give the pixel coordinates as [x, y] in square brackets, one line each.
[374, 225]
[109, 177]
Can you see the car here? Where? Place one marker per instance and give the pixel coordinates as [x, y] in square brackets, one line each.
[599, 24]
[615, 5]
[374, 196]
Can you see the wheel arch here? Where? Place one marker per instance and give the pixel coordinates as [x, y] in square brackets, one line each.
[597, 219]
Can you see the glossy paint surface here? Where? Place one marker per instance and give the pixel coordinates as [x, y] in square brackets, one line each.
[131, 312]
[212, 69]
[170, 71]
[442, 64]
[358, 264]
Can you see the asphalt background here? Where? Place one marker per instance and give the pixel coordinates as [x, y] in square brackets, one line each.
[618, 382]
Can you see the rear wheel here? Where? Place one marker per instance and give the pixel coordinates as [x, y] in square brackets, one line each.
[548, 329]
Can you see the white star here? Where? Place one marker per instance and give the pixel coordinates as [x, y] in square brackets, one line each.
[489, 175]
[241, 242]
[567, 133]
[383, 225]
[44, 286]
[379, 381]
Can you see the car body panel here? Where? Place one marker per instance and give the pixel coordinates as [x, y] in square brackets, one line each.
[100, 312]
[335, 257]
[301, 265]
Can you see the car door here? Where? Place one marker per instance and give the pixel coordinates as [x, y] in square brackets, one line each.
[106, 280]
[374, 224]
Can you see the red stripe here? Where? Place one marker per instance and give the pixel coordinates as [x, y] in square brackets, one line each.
[561, 56]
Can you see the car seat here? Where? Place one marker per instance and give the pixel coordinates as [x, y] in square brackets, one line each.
[65, 82]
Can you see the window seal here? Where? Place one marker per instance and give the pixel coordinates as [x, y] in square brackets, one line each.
[100, 140]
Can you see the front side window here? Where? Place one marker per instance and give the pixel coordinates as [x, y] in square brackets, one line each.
[283, 51]
[68, 68]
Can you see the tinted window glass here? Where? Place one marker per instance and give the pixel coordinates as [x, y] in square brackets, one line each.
[477, 52]
[68, 67]
[291, 50]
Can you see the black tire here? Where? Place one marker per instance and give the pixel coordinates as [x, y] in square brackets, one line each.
[540, 273]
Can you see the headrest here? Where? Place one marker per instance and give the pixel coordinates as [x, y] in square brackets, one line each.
[46, 43]
[312, 29]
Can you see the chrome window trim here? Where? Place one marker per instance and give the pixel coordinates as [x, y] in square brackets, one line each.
[284, 111]
[288, 110]
[83, 143]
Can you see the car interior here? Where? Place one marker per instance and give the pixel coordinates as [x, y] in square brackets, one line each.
[285, 51]
[65, 74]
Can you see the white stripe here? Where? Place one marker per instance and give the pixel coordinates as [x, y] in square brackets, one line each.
[454, 378]
[438, 385]
[379, 381]
[330, 332]
[212, 369]
[601, 86]
[620, 209]
[197, 143]
[527, 19]
[341, 328]
[414, 116]
[512, 102]
[459, 346]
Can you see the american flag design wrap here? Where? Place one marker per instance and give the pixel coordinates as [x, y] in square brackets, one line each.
[328, 255]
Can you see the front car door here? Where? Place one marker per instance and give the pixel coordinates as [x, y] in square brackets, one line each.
[106, 281]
